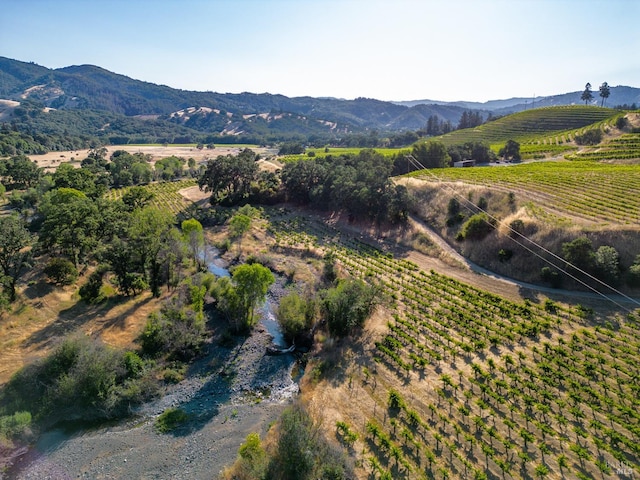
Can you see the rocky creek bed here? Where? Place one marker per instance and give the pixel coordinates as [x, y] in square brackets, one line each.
[228, 393]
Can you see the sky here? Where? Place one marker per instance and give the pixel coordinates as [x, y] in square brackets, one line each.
[448, 50]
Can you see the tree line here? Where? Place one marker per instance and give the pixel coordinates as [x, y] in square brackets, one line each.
[357, 184]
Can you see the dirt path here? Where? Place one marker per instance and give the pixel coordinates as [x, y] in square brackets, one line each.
[488, 280]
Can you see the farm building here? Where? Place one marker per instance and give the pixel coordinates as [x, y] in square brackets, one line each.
[465, 163]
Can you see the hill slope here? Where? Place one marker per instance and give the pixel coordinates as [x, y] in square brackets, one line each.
[524, 126]
[88, 87]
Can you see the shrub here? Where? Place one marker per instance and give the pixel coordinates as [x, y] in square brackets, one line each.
[551, 276]
[621, 123]
[61, 271]
[477, 227]
[81, 378]
[453, 208]
[252, 460]
[301, 451]
[607, 264]
[505, 254]
[348, 305]
[590, 137]
[294, 315]
[170, 419]
[633, 276]
[517, 227]
[91, 292]
[174, 332]
[16, 426]
[579, 253]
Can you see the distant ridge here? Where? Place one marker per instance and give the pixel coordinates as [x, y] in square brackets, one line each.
[620, 95]
[90, 88]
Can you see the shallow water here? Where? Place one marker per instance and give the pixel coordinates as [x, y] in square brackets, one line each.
[268, 319]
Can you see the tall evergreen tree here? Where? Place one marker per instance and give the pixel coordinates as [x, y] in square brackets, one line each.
[604, 92]
[587, 96]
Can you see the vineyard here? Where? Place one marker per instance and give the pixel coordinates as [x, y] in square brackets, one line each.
[335, 151]
[597, 192]
[550, 125]
[625, 147]
[166, 195]
[465, 384]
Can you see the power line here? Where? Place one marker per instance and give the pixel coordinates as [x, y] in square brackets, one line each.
[474, 207]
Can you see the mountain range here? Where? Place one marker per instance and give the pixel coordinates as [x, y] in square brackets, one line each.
[116, 101]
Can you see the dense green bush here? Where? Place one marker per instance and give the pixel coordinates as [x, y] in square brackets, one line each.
[61, 271]
[590, 137]
[579, 253]
[295, 315]
[607, 264]
[477, 227]
[170, 419]
[16, 426]
[174, 332]
[348, 305]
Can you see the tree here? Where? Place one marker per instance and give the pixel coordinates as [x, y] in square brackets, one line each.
[579, 253]
[229, 177]
[193, 235]
[71, 222]
[137, 197]
[170, 168]
[607, 263]
[604, 92]
[251, 284]
[587, 96]
[129, 274]
[294, 315]
[431, 154]
[510, 151]
[301, 178]
[22, 171]
[239, 224]
[61, 271]
[348, 305]
[148, 234]
[127, 169]
[15, 253]
[82, 179]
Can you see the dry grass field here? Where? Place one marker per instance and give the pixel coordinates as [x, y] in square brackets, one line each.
[51, 160]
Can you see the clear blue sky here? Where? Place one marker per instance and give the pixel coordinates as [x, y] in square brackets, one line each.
[386, 49]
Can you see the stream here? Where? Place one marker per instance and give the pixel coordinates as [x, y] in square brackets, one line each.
[268, 319]
[223, 410]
